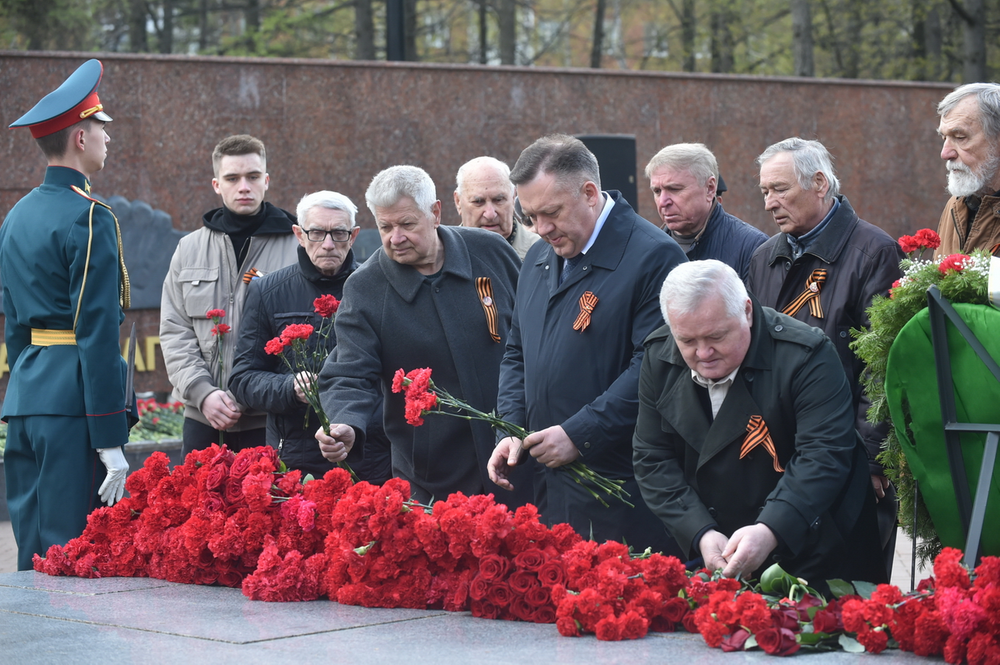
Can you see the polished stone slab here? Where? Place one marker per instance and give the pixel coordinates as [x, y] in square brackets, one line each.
[136, 620]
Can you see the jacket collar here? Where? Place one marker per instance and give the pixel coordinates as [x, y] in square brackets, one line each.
[66, 177]
[407, 281]
[714, 214]
[830, 243]
[309, 271]
[606, 252]
[272, 220]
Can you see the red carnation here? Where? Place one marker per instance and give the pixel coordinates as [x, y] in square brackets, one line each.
[326, 305]
[908, 244]
[215, 314]
[874, 641]
[956, 262]
[397, 381]
[928, 238]
[220, 329]
[275, 346]
[295, 331]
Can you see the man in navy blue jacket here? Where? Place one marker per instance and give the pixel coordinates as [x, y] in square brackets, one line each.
[684, 178]
[586, 299]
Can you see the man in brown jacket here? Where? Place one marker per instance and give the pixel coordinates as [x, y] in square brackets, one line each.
[970, 129]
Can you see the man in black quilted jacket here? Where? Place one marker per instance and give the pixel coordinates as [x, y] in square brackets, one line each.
[326, 231]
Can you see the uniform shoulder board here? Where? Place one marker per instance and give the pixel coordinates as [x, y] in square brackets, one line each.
[89, 197]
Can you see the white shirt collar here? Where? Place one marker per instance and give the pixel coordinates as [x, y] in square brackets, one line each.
[609, 203]
[717, 388]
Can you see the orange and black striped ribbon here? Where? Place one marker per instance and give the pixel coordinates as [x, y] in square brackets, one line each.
[485, 290]
[758, 435]
[587, 303]
[810, 295]
[995, 249]
[250, 274]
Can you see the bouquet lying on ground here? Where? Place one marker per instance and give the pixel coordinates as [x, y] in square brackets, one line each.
[955, 614]
[308, 356]
[244, 521]
[423, 397]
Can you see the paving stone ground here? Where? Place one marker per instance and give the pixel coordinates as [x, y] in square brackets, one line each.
[137, 620]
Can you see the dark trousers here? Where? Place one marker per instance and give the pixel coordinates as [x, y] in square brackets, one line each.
[53, 475]
[198, 436]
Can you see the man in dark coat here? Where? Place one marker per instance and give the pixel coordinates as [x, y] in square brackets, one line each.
[824, 268]
[571, 370]
[745, 444]
[683, 178]
[64, 290]
[326, 230]
[432, 296]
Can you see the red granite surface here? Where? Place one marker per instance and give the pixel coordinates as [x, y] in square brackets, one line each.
[333, 125]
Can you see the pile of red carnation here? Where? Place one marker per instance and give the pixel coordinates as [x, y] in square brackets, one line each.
[243, 520]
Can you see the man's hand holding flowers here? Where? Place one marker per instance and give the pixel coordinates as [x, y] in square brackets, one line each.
[336, 446]
[304, 382]
[551, 447]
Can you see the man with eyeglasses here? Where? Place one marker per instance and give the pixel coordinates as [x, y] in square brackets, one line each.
[326, 231]
[211, 269]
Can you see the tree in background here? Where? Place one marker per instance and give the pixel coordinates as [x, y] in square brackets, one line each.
[935, 40]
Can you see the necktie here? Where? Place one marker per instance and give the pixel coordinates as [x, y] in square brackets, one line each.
[568, 266]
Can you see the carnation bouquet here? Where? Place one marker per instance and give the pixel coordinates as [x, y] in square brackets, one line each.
[961, 278]
[219, 331]
[308, 356]
[423, 397]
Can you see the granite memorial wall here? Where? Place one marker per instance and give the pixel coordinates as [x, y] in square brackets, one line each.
[333, 125]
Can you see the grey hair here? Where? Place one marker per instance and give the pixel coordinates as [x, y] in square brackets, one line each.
[325, 199]
[395, 182]
[690, 284]
[808, 159]
[988, 97]
[694, 158]
[480, 162]
[563, 156]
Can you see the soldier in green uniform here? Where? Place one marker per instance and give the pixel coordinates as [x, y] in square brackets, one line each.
[64, 290]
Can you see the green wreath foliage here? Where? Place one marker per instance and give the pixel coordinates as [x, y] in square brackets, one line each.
[888, 316]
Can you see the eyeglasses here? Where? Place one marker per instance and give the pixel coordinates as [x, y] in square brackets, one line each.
[319, 235]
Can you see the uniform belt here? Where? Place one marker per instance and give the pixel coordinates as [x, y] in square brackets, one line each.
[43, 337]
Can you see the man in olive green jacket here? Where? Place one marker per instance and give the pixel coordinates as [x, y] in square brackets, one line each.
[745, 444]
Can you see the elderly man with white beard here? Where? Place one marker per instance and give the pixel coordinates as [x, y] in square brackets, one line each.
[970, 129]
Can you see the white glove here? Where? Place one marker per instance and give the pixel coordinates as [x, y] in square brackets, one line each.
[113, 486]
